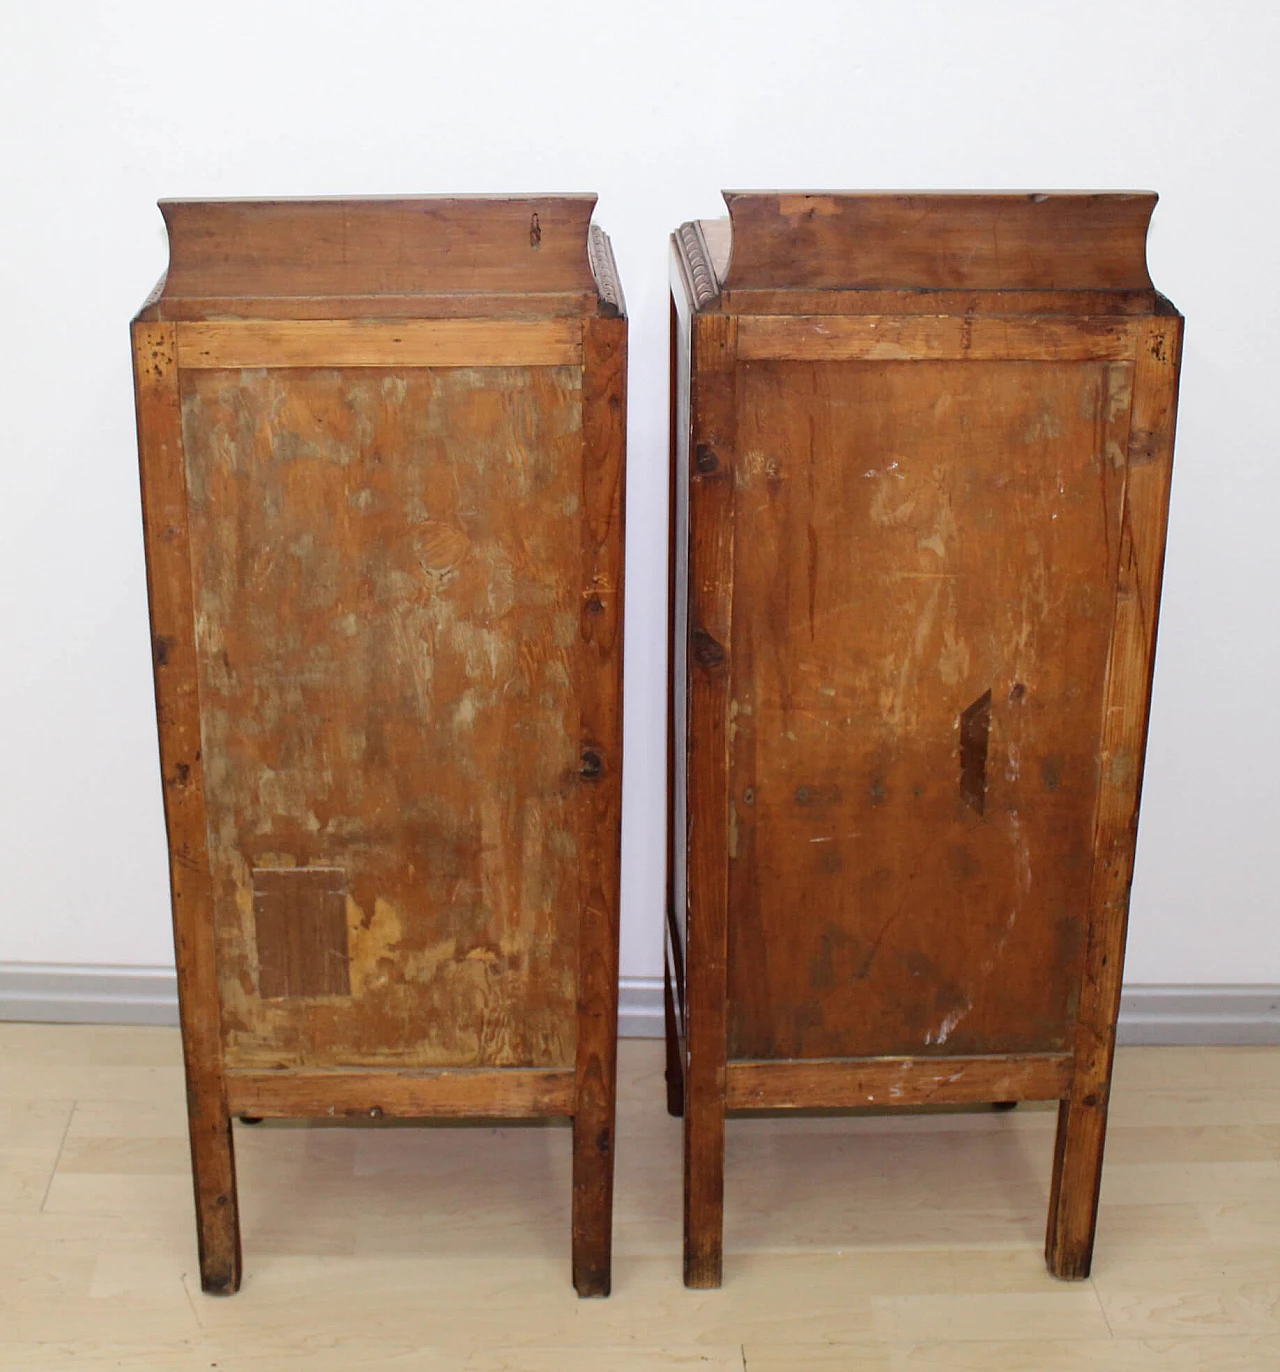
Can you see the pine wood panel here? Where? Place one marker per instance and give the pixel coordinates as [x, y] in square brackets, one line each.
[914, 540]
[371, 343]
[388, 614]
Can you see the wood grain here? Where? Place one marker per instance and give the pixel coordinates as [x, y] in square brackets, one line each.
[1077, 1173]
[396, 472]
[389, 623]
[600, 734]
[951, 441]
[844, 1083]
[922, 338]
[711, 475]
[300, 931]
[372, 343]
[960, 240]
[974, 303]
[411, 245]
[504, 1093]
[169, 590]
[201, 309]
[915, 539]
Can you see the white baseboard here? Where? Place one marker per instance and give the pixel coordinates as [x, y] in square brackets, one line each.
[67, 993]
[71, 993]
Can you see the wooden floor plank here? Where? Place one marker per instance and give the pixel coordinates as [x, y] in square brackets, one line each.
[885, 1240]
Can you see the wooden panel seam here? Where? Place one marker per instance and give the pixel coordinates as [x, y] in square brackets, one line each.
[360, 343]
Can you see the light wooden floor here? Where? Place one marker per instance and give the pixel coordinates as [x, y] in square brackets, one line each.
[880, 1242]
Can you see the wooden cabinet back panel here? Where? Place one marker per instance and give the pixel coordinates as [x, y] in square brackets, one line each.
[387, 571]
[925, 564]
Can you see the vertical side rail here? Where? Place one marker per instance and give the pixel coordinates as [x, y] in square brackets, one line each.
[164, 514]
[710, 477]
[673, 954]
[1082, 1117]
[604, 411]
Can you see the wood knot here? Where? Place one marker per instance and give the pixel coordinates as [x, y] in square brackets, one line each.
[592, 765]
[706, 651]
[706, 459]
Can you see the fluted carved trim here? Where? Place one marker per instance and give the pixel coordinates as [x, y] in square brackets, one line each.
[605, 271]
[697, 257]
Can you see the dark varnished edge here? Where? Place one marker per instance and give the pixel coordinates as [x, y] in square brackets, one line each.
[604, 267]
[893, 236]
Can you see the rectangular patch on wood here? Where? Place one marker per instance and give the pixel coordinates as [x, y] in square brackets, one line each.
[300, 917]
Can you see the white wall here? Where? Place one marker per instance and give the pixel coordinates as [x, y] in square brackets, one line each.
[105, 107]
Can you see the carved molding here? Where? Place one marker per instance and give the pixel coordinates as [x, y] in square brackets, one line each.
[702, 276]
[605, 271]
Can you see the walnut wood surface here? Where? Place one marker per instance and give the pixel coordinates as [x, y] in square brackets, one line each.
[944, 535]
[300, 931]
[962, 240]
[414, 245]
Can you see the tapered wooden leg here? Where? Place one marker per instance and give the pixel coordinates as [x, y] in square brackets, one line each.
[703, 1181]
[1077, 1177]
[213, 1167]
[592, 1204]
[675, 1068]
